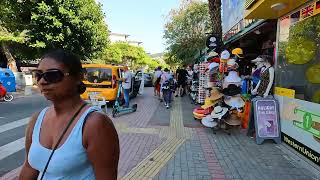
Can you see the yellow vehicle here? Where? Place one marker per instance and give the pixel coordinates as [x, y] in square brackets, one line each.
[102, 79]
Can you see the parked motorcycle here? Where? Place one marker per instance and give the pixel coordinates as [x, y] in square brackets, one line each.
[4, 94]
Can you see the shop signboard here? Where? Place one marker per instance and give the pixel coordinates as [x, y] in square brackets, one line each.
[300, 126]
[266, 117]
[297, 68]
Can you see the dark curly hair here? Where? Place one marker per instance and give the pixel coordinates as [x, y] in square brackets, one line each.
[71, 61]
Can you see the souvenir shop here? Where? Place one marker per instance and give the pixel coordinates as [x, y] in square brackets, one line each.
[229, 80]
[297, 75]
[273, 50]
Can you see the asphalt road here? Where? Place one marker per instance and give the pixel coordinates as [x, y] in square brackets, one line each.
[14, 117]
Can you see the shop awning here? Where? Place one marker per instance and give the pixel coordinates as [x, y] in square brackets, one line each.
[247, 30]
[270, 9]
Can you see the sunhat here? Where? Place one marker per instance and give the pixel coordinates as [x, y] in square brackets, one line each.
[233, 120]
[213, 65]
[215, 94]
[218, 112]
[258, 59]
[238, 52]
[231, 62]
[225, 54]
[208, 122]
[198, 116]
[231, 90]
[213, 54]
[208, 103]
[214, 59]
[232, 77]
[234, 102]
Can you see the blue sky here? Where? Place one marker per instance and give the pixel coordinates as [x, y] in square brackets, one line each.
[143, 20]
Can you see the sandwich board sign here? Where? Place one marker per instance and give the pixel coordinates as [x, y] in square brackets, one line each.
[266, 118]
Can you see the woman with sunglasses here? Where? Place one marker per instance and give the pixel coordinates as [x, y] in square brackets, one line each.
[69, 139]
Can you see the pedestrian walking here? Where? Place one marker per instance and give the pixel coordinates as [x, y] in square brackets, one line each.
[69, 139]
[166, 87]
[182, 75]
[157, 77]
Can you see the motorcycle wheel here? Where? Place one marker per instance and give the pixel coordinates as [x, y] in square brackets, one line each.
[8, 97]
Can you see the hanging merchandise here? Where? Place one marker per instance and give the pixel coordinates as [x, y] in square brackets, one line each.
[237, 52]
[215, 94]
[224, 57]
[233, 119]
[234, 101]
[232, 78]
[213, 74]
[203, 81]
[231, 90]
[232, 65]
[218, 112]
[208, 103]
[209, 122]
[199, 113]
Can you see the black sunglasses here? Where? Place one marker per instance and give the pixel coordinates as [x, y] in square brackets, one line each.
[51, 76]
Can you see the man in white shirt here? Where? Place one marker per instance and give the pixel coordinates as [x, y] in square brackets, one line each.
[126, 85]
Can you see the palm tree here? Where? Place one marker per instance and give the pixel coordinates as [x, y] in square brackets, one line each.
[215, 13]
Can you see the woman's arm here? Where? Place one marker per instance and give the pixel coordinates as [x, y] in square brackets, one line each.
[101, 141]
[27, 172]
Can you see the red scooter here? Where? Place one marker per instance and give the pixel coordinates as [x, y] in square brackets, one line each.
[4, 95]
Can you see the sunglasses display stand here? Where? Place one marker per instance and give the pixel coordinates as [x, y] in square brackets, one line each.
[203, 81]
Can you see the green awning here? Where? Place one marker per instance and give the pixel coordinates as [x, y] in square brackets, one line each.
[245, 31]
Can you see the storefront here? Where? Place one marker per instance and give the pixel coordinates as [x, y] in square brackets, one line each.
[254, 36]
[297, 69]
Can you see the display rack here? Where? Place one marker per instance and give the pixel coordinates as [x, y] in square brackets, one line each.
[203, 81]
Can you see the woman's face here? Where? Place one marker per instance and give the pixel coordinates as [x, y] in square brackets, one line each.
[56, 83]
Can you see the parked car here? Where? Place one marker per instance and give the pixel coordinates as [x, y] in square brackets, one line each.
[102, 79]
[148, 80]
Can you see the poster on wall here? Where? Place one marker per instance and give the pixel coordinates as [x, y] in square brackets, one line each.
[232, 13]
[300, 126]
[266, 118]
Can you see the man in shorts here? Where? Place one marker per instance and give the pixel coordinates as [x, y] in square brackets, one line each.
[182, 75]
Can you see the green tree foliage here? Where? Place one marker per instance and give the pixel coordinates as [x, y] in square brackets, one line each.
[185, 32]
[124, 53]
[75, 25]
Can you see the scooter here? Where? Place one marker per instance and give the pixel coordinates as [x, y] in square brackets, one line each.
[117, 109]
[4, 95]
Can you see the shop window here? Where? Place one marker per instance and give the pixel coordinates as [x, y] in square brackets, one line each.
[298, 62]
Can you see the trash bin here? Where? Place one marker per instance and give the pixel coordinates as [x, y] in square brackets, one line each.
[8, 80]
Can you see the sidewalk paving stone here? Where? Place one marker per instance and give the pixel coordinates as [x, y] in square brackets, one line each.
[161, 144]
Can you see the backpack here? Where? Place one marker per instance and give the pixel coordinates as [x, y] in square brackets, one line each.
[168, 84]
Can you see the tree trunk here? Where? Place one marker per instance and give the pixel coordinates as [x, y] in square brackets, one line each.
[215, 14]
[11, 61]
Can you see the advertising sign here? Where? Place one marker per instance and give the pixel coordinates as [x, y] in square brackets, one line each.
[300, 126]
[266, 119]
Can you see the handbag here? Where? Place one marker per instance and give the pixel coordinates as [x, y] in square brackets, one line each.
[60, 139]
